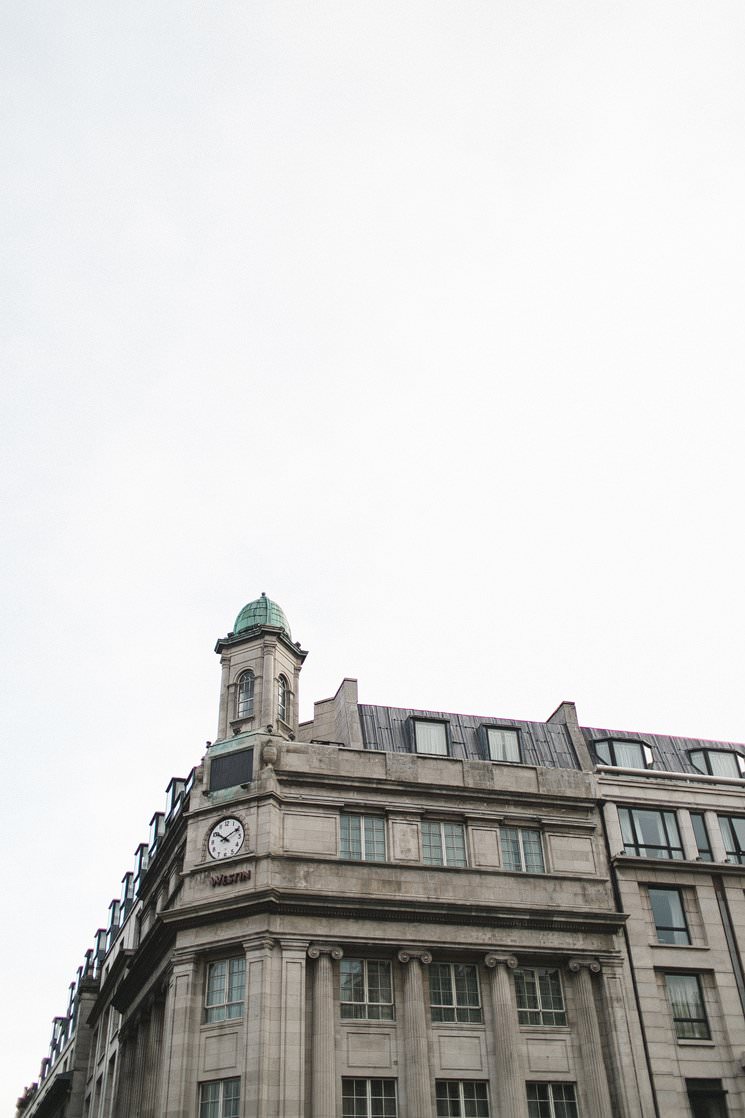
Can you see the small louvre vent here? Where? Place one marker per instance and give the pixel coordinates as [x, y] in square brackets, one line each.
[231, 769]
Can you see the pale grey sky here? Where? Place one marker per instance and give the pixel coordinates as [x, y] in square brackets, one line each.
[424, 318]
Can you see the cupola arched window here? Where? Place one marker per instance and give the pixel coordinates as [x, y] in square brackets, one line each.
[245, 701]
[282, 698]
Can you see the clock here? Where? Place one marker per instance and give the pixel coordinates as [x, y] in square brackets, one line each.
[226, 838]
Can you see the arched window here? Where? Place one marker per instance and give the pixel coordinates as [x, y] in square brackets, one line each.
[245, 704]
[282, 696]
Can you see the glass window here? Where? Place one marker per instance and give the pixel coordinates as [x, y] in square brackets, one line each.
[226, 987]
[366, 990]
[431, 737]
[443, 844]
[504, 744]
[702, 837]
[687, 1003]
[363, 838]
[461, 1098]
[282, 698]
[540, 999]
[368, 1098]
[245, 702]
[718, 762]
[221, 1098]
[522, 850]
[669, 915]
[650, 834]
[454, 992]
[229, 770]
[551, 1100]
[733, 834]
[624, 754]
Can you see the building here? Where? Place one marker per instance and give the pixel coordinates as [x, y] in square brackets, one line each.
[402, 914]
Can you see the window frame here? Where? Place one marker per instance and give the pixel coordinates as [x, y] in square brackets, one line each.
[464, 1013]
[677, 1021]
[467, 1108]
[541, 1011]
[222, 1084]
[486, 729]
[736, 856]
[416, 721]
[611, 743]
[368, 1081]
[707, 771]
[366, 843]
[675, 852]
[246, 711]
[520, 832]
[672, 928]
[549, 1087]
[211, 1016]
[437, 826]
[366, 1004]
[283, 699]
[705, 852]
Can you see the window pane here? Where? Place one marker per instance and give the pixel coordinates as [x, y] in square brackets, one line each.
[455, 844]
[351, 837]
[510, 842]
[687, 1005]
[432, 844]
[629, 754]
[702, 837]
[431, 737]
[532, 851]
[374, 839]
[503, 744]
[669, 918]
[231, 1098]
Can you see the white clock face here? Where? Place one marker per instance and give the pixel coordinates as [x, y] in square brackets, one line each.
[226, 838]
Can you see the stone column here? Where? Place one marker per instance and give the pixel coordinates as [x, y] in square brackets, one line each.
[226, 694]
[268, 701]
[588, 1032]
[687, 836]
[416, 1070]
[181, 1028]
[718, 851]
[507, 1082]
[258, 1094]
[323, 1041]
[629, 1074]
[292, 1030]
[155, 1038]
[138, 1067]
[125, 1071]
[613, 829]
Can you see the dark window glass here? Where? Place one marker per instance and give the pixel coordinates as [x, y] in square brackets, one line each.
[231, 769]
[718, 762]
[245, 706]
[551, 1100]
[669, 915]
[702, 837]
[366, 990]
[650, 834]
[624, 754]
[368, 1098]
[733, 834]
[461, 1098]
[540, 1000]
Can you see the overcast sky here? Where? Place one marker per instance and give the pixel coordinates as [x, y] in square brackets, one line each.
[425, 318]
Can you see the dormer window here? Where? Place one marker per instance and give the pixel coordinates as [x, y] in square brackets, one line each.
[624, 754]
[245, 700]
[430, 737]
[282, 698]
[502, 743]
[718, 762]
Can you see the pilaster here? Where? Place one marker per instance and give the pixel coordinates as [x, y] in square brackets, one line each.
[595, 1080]
[323, 1044]
[507, 1084]
[417, 1074]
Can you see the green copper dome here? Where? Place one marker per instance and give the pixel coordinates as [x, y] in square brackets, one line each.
[261, 612]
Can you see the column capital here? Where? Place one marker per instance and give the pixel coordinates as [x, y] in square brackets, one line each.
[576, 965]
[317, 949]
[409, 953]
[260, 943]
[493, 959]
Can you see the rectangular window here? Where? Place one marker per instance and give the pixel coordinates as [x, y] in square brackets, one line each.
[551, 1100]
[368, 1098]
[363, 838]
[443, 844]
[221, 1098]
[702, 837]
[650, 834]
[226, 986]
[540, 999]
[461, 1098]
[454, 992]
[522, 850]
[669, 914]
[504, 745]
[366, 990]
[687, 1003]
[733, 834]
[431, 737]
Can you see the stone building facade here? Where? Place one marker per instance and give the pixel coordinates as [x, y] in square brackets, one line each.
[387, 913]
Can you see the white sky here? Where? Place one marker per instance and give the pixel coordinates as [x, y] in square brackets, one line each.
[425, 318]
